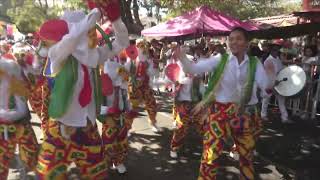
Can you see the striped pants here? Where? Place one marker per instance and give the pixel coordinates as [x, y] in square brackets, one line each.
[184, 120]
[83, 148]
[143, 94]
[115, 140]
[20, 134]
[223, 123]
[38, 99]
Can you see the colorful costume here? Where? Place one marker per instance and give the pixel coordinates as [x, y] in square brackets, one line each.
[231, 100]
[118, 116]
[188, 95]
[15, 126]
[37, 83]
[140, 91]
[75, 99]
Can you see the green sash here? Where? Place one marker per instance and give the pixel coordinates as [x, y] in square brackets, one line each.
[64, 86]
[63, 89]
[216, 77]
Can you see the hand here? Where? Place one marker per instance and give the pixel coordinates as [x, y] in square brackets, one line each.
[198, 108]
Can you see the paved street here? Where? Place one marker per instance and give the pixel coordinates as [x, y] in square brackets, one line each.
[283, 152]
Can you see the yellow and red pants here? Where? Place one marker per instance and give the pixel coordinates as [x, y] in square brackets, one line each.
[142, 93]
[115, 140]
[225, 122]
[21, 134]
[184, 120]
[38, 99]
[83, 148]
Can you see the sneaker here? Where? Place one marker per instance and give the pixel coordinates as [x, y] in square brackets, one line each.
[286, 121]
[129, 134]
[234, 155]
[22, 174]
[174, 125]
[155, 128]
[121, 168]
[173, 154]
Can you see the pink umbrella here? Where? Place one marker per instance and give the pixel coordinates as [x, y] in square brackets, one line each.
[198, 21]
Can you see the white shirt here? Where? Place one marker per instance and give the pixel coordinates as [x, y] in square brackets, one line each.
[277, 66]
[111, 68]
[234, 78]
[76, 43]
[21, 109]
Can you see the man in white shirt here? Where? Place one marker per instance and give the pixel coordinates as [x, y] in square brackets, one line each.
[273, 65]
[187, 96]
[140, 91]
[231, 102]
[70, 44]
[15, 125]
[118, 115]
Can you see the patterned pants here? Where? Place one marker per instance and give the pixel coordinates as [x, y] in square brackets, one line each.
[223, 123]
[143, 94]
[115, 141]
[38, 99]
[184, 120]
[20, 134]
[83, 148]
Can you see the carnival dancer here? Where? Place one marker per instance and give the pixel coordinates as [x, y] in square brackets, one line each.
[73, 58]
[15, 126]
[231, 102]
[32, 66]
[273, 65]
[141, 71]
[118, 114]
[187, 96]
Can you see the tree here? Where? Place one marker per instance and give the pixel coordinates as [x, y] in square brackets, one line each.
[132, 21]
[28, 15]
[242, 9]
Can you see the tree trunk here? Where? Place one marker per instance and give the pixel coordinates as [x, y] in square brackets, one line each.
[126, 17]
[136, 13]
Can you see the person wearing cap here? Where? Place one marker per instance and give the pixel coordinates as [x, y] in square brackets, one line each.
[70, 45]
[273, 65]
[15, 125]
[118, 113]
[230, 103]
[189, 92]
[140, 90]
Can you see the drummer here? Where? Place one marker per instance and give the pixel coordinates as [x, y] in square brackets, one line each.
[272, 66]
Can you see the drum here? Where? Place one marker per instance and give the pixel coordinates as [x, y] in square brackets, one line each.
[290, 81]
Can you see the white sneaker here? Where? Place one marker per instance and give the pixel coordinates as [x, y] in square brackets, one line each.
[234, 155]
[129, 134]
[173, 154]
[155, 128]
[174, 125]
[121, 168]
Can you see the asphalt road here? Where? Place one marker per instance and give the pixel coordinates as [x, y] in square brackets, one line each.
[283, 152]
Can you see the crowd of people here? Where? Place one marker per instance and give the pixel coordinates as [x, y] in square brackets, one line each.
[70, 82]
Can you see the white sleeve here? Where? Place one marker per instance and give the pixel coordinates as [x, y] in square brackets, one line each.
[121, 41]
[19, 112]
[67, 45]
[262, 78]
[202, 66]
[183, 79]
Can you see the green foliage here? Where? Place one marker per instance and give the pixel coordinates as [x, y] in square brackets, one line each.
[242, 9]
[28, 15]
